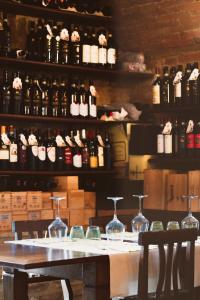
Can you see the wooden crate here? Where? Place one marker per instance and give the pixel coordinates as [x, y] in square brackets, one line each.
[194, 188]
[34, 215]
[5, 221]
[88, 213]
[47, 203]
[5, 201]
[19, 201]
[19, 216]
[47, 214]
[66, 183]
[76, 199]
[90, 200]
[63, 203]
[76, 217]
[34, 200]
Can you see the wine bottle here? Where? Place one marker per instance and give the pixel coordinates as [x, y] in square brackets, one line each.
[194, 85]
[190, 139]
[102, 49]
[42, 151]
[48, 42]
[13, 149]
[108, 152]
[31, 44]
[45, 99]
[55, 98]
[178, 99]
[7, 37]
[186, 85]
[6, 94]
[77, 151]
[160, 140]
[27, 86]
[17, 93]
[197, 139]
[182, 140]
[111, 52]
[94, 50]
[93, 154]
[36, 95]
[101, 151]
[167, 131]
[165, 87]
[171, 85]
[74, 100]
[86, 49]
[85, 151]
[83, 101]
[55, 53]
[92, 100]
[75, 53]
[22, 150]
[64, 45]
[175, 138]
[51, 152]
[39, 35]
[1, 38]
[4, 149]
[32, 150]
[69, 150]
[60, 151]
[64, 101]
[156, 87]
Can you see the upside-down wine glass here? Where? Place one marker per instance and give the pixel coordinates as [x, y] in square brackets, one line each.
[57, 229]
[115, 228]
[139, 222]
[190, 221]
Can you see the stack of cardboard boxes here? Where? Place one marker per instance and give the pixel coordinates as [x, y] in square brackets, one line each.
[78, 205]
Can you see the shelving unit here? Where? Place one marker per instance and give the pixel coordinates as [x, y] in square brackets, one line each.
[57, 173]
[174, 109]
[179, 163]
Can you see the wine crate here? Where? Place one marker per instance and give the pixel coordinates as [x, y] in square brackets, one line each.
[194, 188]
[47, 214]
[19, 216]
[5, 221]
[62, 203]
[34, 200]
[66, 183]
[34, 215]
[19, 201]
[64, 214]
[5, 201]
[76, 217]
[76, 199]
[88, 213]
[46, 201]
[89, 200]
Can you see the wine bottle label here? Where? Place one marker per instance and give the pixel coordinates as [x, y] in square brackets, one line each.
[168, 143]
[178, 90]
[17, 83]
[93, 162]
[190, 126]
[32, 140]
[64, 35]
[178, 77]
[93, 110]
[93, 90]
[78, 141]
[74, 109]
[182, 142]
[75, 37]
[100, 140]
[165, 93]
[160, 143]
[59, 141]
[190, 141]
[4, 154]
[194, 75]
[112, 56]
[51, 154]
[42, 153]
[168, 128]
[94, 54]
[68, 157]
[84, 109]
[197, 140]
[102, 56]
[34, 150]
[85, 156]
[102, 40]
[100, 156]
[156, 94]
[13, 153]
[50, 33]
[69, 142]
[77, 161]
[86, 54]
[5, 139]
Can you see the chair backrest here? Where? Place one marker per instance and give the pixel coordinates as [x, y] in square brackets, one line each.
[170, 262]
[34, 228]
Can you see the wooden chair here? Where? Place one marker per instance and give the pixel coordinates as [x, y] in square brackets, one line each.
[38, 229]
[171, 261]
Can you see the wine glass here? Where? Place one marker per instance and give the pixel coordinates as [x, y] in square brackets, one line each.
[115, 228]
[57, 229]
[173, 225]
[156, 226]
[93, 233]
[190, 221]
[140, 223]
[77, 232]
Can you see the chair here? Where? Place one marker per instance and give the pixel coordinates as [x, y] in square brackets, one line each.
[171, 262]
[37, 229]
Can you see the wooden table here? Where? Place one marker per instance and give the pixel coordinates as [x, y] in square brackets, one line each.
[17, 260]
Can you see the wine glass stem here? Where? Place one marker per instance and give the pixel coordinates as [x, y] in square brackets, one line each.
[189, 206]
[140, 205]
[58, 208]
[115, 209]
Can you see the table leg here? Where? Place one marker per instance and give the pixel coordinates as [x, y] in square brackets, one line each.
[96, 278]
[15, 285]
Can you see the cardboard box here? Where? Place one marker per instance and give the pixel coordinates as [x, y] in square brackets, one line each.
[19, 201]
[47, 214]
[76, 199]
[34, 200]
[65, 183]
[5, 201]
[76, 217]
[5, 221]
[34, 215]
[90, 200]
[88, 213]
[19, 216]
[47, 203]
[62, 203]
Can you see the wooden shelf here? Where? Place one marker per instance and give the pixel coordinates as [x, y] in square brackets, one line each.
[71, 69]
[57, 173]
[171, 162]
[177, 109]
[17, 8]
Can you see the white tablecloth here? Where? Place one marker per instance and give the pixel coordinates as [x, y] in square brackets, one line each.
[124, 259]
